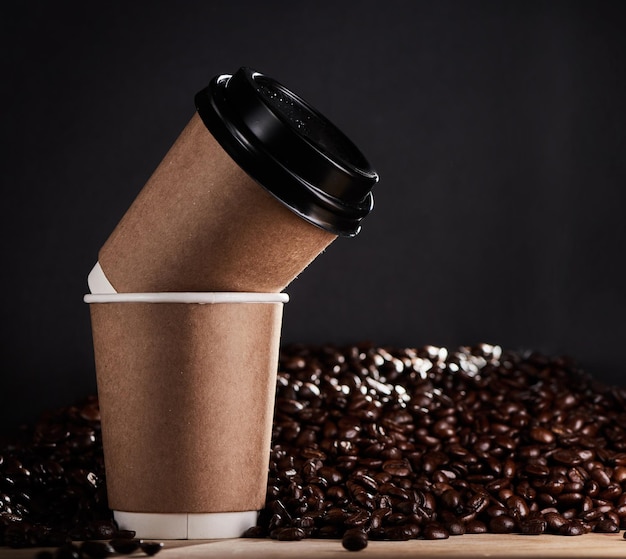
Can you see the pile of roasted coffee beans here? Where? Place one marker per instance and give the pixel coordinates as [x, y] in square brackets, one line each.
[53, 490]
[370, 443]
[393, 444]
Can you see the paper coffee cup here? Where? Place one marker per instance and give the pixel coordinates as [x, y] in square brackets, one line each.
[186, 385]
[254, 188]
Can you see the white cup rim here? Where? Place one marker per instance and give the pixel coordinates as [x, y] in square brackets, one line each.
[202, 298]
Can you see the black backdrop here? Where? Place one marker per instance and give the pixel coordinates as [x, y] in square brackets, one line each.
[498, 129]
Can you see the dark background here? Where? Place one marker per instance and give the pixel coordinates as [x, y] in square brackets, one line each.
[498, 129]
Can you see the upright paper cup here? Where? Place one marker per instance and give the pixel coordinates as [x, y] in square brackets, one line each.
[254, 188]
[186, 386]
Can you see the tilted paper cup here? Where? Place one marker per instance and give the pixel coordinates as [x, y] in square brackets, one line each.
[202, 224]
[186, 385]
[254, 188]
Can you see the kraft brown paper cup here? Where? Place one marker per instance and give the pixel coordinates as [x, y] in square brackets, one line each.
[255, 187]
[202, 224]
[186, 386]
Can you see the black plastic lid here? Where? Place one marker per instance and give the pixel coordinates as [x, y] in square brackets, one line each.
[289, 148]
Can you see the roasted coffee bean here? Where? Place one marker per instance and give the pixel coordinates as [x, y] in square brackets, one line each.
[566, 456]
[613, 517]
[572, 528]
[502, 524]
[127, 546]
[435, 532]
[613, 491]
[590, 515]
[455, 528]
[478, 502]
[354, 540]
[401, 533]
[290, 534]
[102, 529]
[619, 474]
[541, 435]
[399, 468]
[368, 482]
[252, 532]
[151, 548]
[475, 527]
[357, 519]
[570, 499]
[517, 506]
[377, 517]
[335, 516]
[451, 499]
[606, 526]
[533, 526]
[573, 487]
[600, 476]
[495, 510]
[537, 470]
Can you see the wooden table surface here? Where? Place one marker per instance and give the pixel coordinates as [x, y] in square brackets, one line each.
[473, 546]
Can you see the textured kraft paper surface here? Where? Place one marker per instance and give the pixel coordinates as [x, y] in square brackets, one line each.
[202, 224]
[186, 393]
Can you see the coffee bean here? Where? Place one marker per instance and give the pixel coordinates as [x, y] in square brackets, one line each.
[517, 506]
[570, 499]
[606, 526]
[252, 532]
[496, 510]
[443, 429]
[478, 502]
[455, 528]
[475, 527]
[290, 534]
[533, 526]
[591, 515]
[541, 435]
[357, 519]
[102, 529]
[435, 532]
[567, 456]
[573, 487]
[399, 468]
[126, 546]
[613, 491]
[572, 528]
[399, 533]
[502, 524]
[354, 540]
[600, 476]
[451, 499]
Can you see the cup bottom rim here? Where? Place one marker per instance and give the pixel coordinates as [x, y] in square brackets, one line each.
[186, 526]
